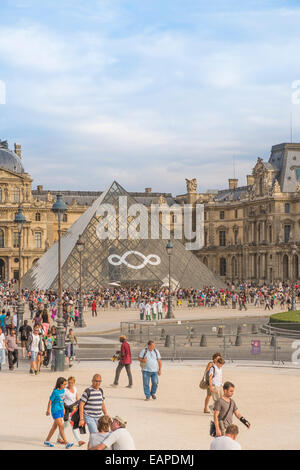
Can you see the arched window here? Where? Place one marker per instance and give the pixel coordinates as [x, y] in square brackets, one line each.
[222, 267]
[1, 238]
[37, 217]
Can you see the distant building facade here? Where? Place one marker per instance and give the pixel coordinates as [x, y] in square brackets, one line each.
[251, 233]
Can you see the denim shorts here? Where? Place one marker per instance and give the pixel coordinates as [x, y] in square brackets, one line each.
[58, 414]
[34, 355]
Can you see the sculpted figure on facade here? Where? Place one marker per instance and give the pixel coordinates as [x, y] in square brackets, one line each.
[191, 185]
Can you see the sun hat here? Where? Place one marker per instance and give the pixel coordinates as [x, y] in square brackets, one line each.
[120, 420]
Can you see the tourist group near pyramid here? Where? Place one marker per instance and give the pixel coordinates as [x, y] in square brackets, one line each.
[114, 256]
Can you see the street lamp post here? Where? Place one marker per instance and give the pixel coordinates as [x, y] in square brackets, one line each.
[59, 207]
[20, 221]
[169, 249]
[80, 247]
[294, 251]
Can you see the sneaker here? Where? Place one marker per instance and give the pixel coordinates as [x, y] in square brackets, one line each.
[70, 444]
[81, 443]
[36, 372]
[114, 385]
[48, 444]
[31, 372]
[154, 397]
[60, 441]
[128, 386]
[147, 399]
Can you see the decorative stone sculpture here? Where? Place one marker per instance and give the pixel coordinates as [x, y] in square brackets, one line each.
[191, 185]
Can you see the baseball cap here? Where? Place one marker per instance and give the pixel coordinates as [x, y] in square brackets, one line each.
[123, 337]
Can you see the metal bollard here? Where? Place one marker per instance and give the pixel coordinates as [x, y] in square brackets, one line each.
[239, 330]
[220, 331]
[163, 333]
[203, 342]
[168, 341]
[254, 329]
[238, 340]
[273, 342]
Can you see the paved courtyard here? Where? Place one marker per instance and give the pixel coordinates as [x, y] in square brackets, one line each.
[267, 397]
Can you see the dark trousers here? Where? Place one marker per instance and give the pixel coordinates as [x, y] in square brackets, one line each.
[12, 358]
[118, 371]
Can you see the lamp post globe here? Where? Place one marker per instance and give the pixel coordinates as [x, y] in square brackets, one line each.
[80, 247]
[169, 249]
[59, 207]
[20, 220]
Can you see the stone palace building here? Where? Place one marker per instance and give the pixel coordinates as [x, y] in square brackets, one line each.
[251, 233]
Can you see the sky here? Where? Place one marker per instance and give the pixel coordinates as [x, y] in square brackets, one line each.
[147, 92]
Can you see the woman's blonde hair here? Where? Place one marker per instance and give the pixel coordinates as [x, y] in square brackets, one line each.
[71, 379]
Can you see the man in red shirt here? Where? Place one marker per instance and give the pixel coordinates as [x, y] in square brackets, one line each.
[94, 308]
[125, 361]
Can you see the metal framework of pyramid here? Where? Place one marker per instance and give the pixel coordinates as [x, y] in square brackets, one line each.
[110, 262]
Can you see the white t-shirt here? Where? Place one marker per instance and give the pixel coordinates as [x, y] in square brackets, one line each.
[2, 339]
[225, 443]
[35, 343]
[70, 397]
[217, 378]
[96, 438]
[120, 439]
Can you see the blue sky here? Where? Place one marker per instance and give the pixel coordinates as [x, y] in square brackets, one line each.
[147, 92]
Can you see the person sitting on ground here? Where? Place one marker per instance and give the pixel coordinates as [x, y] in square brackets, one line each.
[96, 438]
[227, 442]
[119, 439]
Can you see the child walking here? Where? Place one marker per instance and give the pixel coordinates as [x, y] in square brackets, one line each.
[56, 404]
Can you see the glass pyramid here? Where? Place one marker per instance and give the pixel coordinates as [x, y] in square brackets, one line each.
[116, 260]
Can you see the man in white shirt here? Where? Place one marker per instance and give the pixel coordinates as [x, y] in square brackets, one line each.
[227, 442]
[119, 439]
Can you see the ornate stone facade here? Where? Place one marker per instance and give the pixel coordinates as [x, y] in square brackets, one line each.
[252, 233]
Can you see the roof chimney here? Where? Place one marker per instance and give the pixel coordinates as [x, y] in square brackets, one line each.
[18, 150]
[233, 183]
[148, 190]
[250, 180]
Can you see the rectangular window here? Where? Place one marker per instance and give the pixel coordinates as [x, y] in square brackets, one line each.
[236, 213]
[298, 174]
[287, 208]
[287, 231]
[16, 195]
[38, 239]
[222, 238]
[16, 240]
[222, 215]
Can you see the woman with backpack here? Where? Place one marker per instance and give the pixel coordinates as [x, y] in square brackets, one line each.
[205, 379]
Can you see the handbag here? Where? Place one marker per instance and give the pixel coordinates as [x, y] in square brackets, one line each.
[212, 428]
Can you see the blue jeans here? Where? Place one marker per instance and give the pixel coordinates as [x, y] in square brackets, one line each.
[154, 382]
[91, 423]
